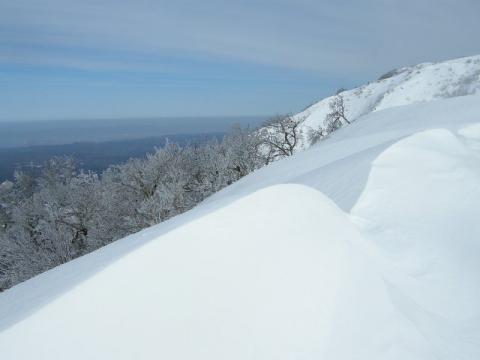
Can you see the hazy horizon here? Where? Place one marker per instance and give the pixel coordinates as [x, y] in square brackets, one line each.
[56, 132]
[132, 118]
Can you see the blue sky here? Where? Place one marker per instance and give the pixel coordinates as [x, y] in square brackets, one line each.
[63, 59]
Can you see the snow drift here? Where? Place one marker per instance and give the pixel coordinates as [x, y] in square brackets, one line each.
[363, 247]
[247, 280]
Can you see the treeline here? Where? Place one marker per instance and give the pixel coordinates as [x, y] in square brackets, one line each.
[65, 212]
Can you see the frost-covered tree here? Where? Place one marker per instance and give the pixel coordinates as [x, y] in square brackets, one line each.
[336, 118]
[281, 136]
[143, 192]
[50, 221]
[243, 151]
[315, 135]
[7, 202]
[68, 202]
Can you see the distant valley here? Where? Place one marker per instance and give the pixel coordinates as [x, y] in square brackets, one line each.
[89, 155]
[96, 144]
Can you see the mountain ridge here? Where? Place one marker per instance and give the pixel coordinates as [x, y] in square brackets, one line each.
[407, 85]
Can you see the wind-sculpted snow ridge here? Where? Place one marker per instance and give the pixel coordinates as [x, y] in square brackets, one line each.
[251, 280]
[300, 281]
[420, 83]
[381, 266]
[419, 212]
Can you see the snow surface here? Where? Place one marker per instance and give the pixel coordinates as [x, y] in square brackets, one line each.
[421, 83]
[364, 246]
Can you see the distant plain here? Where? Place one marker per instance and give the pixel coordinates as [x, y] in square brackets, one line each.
[98, 143]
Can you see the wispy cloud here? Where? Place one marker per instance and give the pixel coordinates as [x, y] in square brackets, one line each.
[320, 36]
[71, 58]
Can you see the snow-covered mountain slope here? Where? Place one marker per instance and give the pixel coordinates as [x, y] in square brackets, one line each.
[364, 246]
[340, 165]
[420, 83]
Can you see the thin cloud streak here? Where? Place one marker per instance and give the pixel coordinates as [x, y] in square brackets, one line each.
[356, 37]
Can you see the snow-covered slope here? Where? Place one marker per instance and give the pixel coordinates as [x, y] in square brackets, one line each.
[364, 246]
[340, 165]
[420, 83]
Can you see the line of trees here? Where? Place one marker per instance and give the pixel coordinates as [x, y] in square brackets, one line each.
[65, 212]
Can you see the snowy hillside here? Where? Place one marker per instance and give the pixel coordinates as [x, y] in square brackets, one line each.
[364, 246]
[420, 83]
